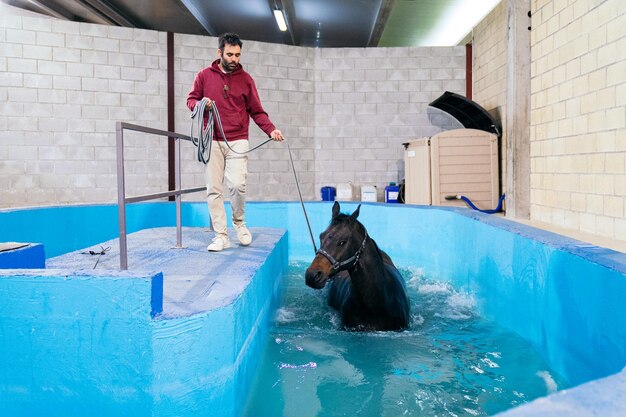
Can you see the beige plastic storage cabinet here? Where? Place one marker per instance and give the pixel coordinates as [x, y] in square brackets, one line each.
[454, 162]
[417, 172]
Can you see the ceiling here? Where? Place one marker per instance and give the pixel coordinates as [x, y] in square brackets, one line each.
[316, 23]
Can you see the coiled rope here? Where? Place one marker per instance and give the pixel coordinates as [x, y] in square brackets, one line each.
[205, 134]
[205, 139]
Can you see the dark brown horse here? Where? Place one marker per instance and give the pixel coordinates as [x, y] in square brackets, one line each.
[367, 289]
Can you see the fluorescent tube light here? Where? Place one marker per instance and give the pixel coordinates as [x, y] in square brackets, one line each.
[280, 19]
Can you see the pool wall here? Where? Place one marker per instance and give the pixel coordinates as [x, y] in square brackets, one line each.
[562, 295]
[78, 343]
[73, 343]
[204, 364]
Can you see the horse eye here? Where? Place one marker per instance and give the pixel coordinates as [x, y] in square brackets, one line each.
[341, 243]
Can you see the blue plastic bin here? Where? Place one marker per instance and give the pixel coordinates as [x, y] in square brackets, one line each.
[328, 193]
[391, 193]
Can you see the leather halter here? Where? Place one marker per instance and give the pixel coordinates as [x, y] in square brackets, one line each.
[339, 266]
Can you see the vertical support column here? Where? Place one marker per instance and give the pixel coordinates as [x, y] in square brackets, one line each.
[171, 125]
[121, 195]
[468, 70]
[518, 110]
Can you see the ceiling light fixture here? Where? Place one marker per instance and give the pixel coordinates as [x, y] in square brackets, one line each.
[280, 20]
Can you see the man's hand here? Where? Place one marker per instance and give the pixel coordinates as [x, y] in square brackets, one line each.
[209, 102]
[277, 135]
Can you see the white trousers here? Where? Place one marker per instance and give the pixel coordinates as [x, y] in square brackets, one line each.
[232, 167]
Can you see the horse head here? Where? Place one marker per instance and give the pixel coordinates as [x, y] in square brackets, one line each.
[341, 244]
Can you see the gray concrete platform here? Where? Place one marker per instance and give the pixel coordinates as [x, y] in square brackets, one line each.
[194, 280]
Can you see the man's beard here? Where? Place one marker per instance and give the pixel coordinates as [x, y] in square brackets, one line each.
[228, 67]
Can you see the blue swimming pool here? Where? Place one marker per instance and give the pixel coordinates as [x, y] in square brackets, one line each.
[562, 296]
[449, 362]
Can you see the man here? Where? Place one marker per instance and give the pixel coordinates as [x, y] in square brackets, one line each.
[226, 84]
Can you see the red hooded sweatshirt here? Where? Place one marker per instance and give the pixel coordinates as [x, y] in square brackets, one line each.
[236, 98]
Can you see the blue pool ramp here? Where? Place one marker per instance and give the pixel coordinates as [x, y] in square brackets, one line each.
[175, 335]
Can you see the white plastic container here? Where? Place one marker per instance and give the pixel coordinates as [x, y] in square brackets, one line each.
[345, 192]
[369, 193]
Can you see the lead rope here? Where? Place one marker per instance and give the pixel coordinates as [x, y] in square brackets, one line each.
[205, 137]
[301, 201]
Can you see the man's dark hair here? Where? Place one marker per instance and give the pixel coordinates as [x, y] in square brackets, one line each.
[230, 38]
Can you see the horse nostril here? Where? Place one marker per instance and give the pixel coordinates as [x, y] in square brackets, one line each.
[312, 274]
[313, 277]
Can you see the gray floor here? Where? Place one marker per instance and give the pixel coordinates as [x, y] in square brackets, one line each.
[194, 280]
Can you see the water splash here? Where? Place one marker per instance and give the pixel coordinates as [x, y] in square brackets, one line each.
[434, 288]
[310, 365]
[285, 315]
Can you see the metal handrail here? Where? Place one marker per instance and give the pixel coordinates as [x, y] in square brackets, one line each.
[121, 188]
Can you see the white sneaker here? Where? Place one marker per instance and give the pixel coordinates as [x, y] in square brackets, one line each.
[244, 235]
[219, 243]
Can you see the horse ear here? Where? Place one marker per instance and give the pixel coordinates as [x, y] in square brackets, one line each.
[354, 215]
[336, 209]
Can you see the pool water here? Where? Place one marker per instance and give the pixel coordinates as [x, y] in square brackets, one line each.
[450, 362]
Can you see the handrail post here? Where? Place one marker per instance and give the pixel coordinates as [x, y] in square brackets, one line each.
[121, 189]
[177, 181]
[121, 196]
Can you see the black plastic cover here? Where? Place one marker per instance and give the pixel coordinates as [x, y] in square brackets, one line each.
[469, 113]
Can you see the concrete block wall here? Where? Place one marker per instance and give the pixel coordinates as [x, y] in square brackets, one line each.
[284, 77]
[345, 112]
[489, 56]
[368, 101]
[62, 87]
[578, 115]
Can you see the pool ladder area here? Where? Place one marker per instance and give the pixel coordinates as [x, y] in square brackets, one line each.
[122, 200]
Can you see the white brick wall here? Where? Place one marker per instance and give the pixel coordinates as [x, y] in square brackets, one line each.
[369, 101]
[63, 86]
[578, 115]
